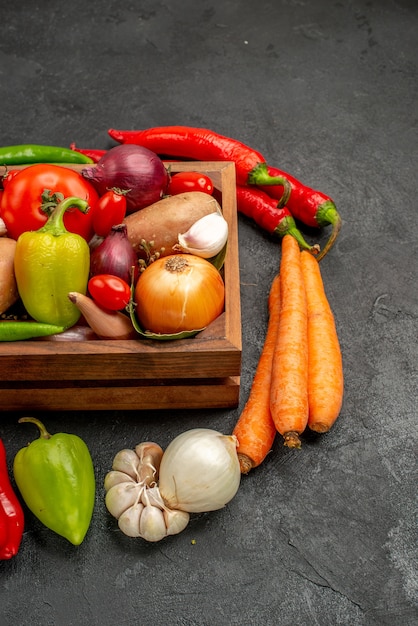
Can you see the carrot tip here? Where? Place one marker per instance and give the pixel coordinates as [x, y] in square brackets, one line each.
[292, 440]
[317, 427]
[246, 464]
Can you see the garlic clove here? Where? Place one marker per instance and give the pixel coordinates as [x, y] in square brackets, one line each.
[206, 237]
[121, 496]
[128, 522]
[152, 524]
[175, 521]
[114, 477]
[126, 461]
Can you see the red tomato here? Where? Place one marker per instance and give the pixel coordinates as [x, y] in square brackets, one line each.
[189, 181]
[21, 202]
[110, 211]
[110, 292]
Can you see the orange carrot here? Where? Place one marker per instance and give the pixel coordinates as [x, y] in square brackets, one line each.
[289, 378]
[325, 369]
[255, 429]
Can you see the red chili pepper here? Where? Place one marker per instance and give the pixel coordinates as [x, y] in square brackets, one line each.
[263, 209]
[95, 155]
[202, 144]
[12, 520]
[307, 205]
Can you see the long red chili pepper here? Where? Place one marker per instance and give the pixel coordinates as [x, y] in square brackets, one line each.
[259, 206]
[202, 144]
[94, 154]
[11, 513]
[307, 205]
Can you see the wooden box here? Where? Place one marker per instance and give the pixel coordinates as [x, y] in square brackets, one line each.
[202, 372]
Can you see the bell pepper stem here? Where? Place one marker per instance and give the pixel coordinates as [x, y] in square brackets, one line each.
[55, 224]
[44, 434]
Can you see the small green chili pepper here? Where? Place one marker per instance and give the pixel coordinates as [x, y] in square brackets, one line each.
[55, 477]
[50, 263]
[36, 153]
[11, 330]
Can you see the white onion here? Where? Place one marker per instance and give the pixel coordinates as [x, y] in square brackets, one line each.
[200, 471]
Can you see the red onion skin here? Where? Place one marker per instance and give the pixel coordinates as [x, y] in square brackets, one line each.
[115, 256]
[132, 167]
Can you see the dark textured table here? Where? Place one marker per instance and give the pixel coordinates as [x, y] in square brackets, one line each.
[324, 535]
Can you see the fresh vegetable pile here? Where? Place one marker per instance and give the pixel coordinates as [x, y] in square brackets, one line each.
[131, 250]
[95, 247]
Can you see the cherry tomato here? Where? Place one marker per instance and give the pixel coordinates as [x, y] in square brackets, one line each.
[110, 292]
[21, 202]
[110, 211]
[189, 181]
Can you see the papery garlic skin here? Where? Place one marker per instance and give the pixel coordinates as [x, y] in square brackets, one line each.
[152, 496]
[200, 471]
[206, 237]
[150, 455]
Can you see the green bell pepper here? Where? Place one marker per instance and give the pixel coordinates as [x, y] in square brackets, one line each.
[50, 263]
[55, 477]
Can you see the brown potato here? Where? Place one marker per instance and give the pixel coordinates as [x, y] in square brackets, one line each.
[8, 287]
[160, 223]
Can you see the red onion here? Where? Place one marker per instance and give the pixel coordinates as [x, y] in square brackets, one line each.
[132, 167]
[115, 255]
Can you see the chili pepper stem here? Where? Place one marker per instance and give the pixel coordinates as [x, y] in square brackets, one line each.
[44, 434]
[259, 176]
[288, 226]
[328, 214]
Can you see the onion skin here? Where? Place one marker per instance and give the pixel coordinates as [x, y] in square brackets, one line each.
[115, 255]
[133, 168]
[200, 471]
[179, 293]
[105, 324]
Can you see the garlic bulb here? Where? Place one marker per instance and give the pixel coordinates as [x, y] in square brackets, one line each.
[206, 237]
[199, 471]
[133, 497]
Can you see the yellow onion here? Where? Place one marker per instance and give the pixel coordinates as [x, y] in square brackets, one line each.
[179, 293]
